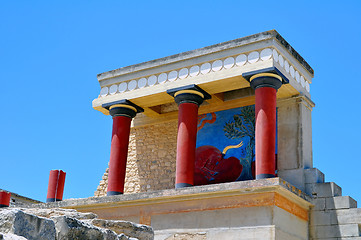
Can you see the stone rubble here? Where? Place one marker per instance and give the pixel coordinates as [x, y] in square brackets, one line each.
[64, 224]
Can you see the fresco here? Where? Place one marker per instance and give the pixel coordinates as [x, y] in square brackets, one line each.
[225, 146]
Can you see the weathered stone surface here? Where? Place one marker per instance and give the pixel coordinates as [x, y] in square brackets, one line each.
[27, 225]
[141, 232]
[71, 228]
[52, 212]
[188, 236]
[340, 202]
[328, 189]
[335, 231]
[10, 236]
[314, 175]
[64, 224]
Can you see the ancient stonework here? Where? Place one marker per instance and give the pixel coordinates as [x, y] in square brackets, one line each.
[151, 159]
[64, 224]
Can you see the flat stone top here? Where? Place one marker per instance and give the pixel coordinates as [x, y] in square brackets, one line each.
[243, 187]
[272, 34]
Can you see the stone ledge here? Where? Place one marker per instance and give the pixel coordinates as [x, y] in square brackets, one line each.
[223, 189]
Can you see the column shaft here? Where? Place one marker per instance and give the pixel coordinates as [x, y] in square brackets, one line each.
[4, 199]
[186, 144]
[56, 186]
[265, 132]
[118, 154]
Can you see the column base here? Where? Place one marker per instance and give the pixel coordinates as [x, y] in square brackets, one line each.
[182, 185]
[263, 176]
[3, 205]
[53, 200]
[112, 193]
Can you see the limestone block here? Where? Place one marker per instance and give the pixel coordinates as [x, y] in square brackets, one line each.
[244, 233]
[10, 236]
[294, 133]
[71, 228]
[294, 177]
[51, 212]
[340, 202]
[349, 216]
[313, 175]
[139, 231]
[335, 231]
[288, 135]
[329, 189]
[323, 218]
[188, 236]
[319, 204]
[349, 238]
[247, 233]
[332, 217]
[289, 223]
[27, 225]
[61, 224]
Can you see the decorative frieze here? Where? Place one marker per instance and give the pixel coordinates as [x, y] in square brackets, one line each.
[223, 64]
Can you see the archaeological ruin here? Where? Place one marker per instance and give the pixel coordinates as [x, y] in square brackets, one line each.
[216, 143]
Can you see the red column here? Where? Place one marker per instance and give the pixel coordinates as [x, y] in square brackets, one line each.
[188, 99]
[4, 199]
[186, 144]
[118, 154]
[265, 86]
[123, 112]
[56, 186]
[265, 132]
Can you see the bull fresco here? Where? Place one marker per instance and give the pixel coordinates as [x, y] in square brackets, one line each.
[225, 146]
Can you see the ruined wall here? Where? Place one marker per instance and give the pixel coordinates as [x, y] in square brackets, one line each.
[151, 159]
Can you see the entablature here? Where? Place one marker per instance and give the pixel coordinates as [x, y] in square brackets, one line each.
[218, 69]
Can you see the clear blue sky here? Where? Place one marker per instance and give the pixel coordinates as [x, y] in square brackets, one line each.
[51, 51]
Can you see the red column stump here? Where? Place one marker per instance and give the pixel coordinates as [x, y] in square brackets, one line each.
[5, 199]
[56, 186]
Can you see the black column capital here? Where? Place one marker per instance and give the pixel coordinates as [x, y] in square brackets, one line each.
[266, 80]
[268, 77]
[189, 94]
[123, 108]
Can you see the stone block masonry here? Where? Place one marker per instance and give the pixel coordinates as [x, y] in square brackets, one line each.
[333, 216]
[151, 159]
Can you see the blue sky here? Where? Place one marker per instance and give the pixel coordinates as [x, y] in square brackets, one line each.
[51, 51]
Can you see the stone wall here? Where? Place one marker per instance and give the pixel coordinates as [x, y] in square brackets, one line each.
[151, 159]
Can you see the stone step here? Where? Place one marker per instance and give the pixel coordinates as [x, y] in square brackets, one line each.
[332, 217]
[319, 204]
[340, 202]
[323, 218]
[335, 231]
[349, 216]
[329, 189]
[314, 175]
